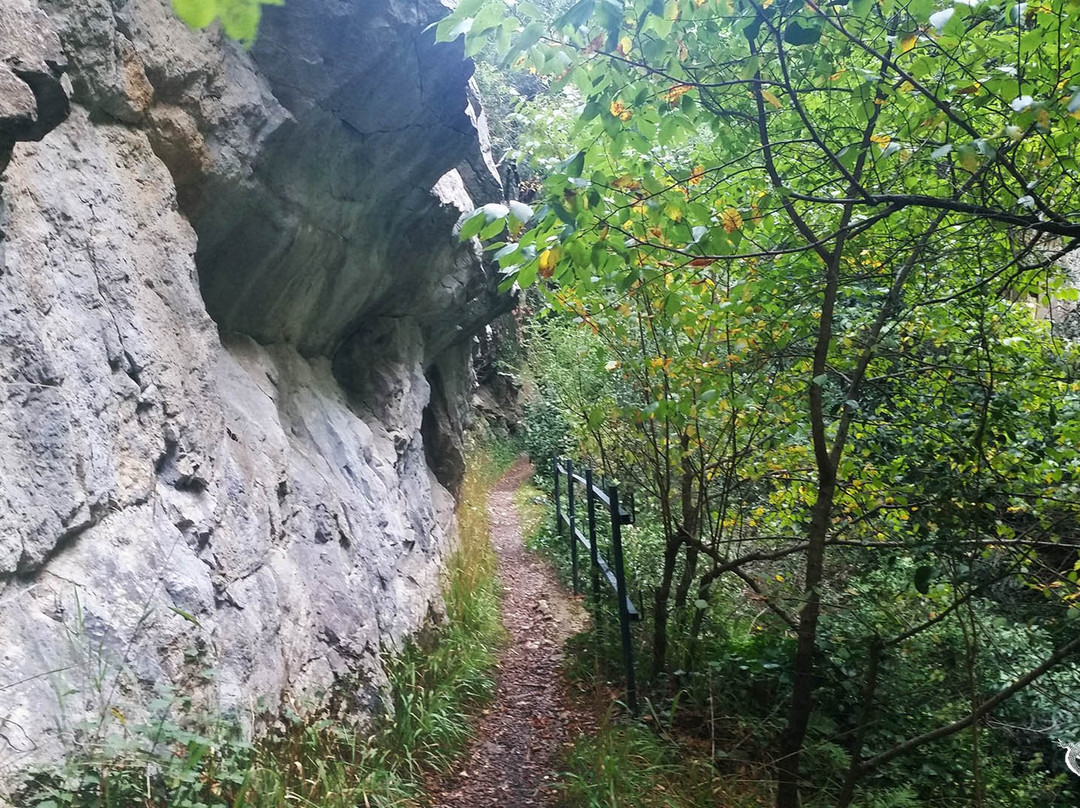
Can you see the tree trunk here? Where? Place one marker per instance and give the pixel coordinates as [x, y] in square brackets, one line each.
[689, 528]
[802, 693]
[661, 597]
[686, 580]
[847, 793]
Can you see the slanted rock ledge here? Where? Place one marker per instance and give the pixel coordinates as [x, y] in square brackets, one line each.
[234, 340]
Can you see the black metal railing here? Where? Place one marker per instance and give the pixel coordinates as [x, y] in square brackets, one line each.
[614, 573]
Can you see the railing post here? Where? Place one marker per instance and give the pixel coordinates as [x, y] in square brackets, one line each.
[558, 506]
[620, 590]
[594, 560]
[573, 524]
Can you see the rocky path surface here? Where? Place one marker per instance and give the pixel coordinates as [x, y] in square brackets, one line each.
[513, 760]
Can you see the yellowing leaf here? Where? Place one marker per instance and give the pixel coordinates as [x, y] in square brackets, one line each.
[625, 45]
[771, 99]
[595, 45]
[674, 212]
[673, 95]
[695, 178]
[908, 42]
[548, 260]
[732, 220]
[620, 110]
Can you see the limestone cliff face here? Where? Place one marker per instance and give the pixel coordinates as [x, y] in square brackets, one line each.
[234, 328]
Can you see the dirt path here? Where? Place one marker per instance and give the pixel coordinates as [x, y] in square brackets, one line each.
[512, 762]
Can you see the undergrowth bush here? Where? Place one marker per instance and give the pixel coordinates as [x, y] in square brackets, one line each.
[182, 759]
[625, 764]
[723, 707]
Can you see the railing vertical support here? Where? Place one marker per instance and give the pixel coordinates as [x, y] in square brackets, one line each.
[573, 525]
[620, 590]
[594, 560]
[558, 504]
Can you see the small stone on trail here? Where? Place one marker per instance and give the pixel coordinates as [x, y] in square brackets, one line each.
[532, 716]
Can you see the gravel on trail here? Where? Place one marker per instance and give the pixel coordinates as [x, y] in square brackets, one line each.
[515, 756]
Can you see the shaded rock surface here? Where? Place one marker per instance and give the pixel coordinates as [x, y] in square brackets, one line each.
[234, 353]
[32, 98]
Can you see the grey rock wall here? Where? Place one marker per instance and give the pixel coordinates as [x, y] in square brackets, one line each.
[234, 327]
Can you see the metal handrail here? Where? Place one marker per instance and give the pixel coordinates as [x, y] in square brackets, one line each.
[614, 572]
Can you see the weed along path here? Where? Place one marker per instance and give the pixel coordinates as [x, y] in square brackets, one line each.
[515, 754]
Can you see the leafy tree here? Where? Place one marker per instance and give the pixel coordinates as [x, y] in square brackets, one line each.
[876, 189]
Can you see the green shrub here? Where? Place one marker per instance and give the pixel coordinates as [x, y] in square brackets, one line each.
[625, 764]
[546, 433]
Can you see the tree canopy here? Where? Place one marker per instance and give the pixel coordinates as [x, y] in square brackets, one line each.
[817, 246]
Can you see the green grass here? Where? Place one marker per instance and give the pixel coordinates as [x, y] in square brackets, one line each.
[437, 687]
[436, 690]
[625, 764]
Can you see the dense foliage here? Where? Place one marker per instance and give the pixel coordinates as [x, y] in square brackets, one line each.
[806, 259]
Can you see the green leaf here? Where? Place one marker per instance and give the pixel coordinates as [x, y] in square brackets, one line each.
[487, 18]
[577, 15]
[596, 417]
[493, 228]
[462, 26]
[196, 13]
[240, 19]
[574, 166]
[528, 37]
[798, 34]
[520, 211]
[526, 276]
[493, 211]
[473, 225]
[506, 251]
[186, 615]
[469, 8]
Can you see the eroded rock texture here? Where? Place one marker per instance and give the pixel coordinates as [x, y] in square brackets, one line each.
[232, 313]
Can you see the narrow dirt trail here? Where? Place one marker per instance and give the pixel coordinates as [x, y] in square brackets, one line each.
[512, 761]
